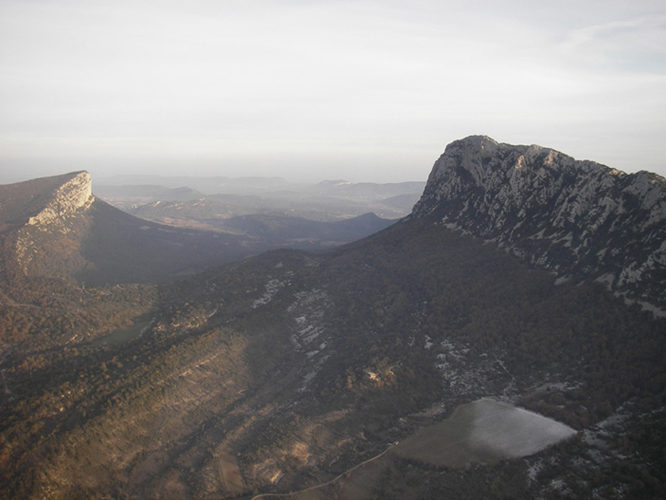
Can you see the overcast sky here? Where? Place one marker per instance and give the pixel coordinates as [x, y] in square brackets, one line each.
[323, 89]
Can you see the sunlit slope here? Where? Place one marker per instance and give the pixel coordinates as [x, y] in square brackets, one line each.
[300, 366]
[296, 372]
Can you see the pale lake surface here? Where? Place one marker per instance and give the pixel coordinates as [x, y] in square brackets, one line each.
[484, 431]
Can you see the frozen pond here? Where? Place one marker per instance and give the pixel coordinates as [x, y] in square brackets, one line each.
[484, 431]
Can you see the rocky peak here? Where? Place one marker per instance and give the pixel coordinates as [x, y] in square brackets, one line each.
[578, 219]
[72, 196]
[43, 222]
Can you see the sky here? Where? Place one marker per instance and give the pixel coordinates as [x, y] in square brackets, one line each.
[324, 89]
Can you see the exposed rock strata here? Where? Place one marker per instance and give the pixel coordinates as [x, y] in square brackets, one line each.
[73, 196]
[578, 219]
[48, 243]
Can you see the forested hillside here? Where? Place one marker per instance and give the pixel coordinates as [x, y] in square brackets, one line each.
[300, 366]
[322, 375]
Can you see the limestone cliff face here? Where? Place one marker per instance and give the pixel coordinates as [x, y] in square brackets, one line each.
[72, 197]
[54, 227]
[49, 242]
[578, 219]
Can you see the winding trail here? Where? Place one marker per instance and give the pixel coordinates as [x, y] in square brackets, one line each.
[277, 495]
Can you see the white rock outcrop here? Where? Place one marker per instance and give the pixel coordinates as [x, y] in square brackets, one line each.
[73, 196]
[579, 219]
[49, 241]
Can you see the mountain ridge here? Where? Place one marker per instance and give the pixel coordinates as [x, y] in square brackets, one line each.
[55, 227]
[42, 223]
[43, 200]
[279, 372]
[576, 218]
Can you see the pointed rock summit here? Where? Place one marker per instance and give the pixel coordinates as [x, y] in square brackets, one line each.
[42, 222]
[42, 202]
[71, 197]
[55, 227]
[579, 219]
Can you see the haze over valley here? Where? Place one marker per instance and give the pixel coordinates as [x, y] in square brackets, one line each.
[504, 339]
[332, 249]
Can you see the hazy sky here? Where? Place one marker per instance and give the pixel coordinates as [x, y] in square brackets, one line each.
[320, 89]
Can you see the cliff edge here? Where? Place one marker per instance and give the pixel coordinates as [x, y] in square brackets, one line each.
[579, 219]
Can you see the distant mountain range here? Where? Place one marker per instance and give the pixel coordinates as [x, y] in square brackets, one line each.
[184, 200]
[344, 373]
[206, 185]
[55, 227]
